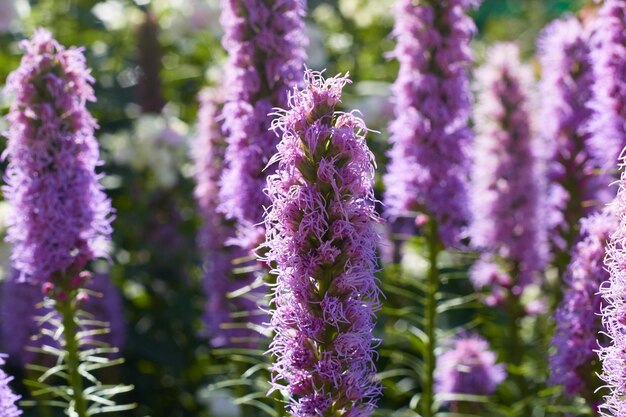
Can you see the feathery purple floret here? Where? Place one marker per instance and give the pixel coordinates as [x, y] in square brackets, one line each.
[576, 189]
[321, 244]
[469, 367]
[613, 291]
[578, 316]
[61, 215]
[8, 399]
[207, 152]
[429, 162]
[265, 43]
[506, 178]
[608, 54]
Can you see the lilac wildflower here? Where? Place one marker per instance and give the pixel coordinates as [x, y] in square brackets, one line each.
[8, 399]
[506, 190]
[576, 189]
[469, 367]
[578, 316]
[613, 291]
[608, 54]
[62, 216]
[264, 40]
[321, 244]
[207, 153]
[487, 274]
[429, 162]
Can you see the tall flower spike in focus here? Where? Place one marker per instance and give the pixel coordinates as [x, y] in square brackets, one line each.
[608, 54]
[207, 152]
[578, 324]
[506, 182]
[8, 399]
[62, 216]
[576, 189]
[613, 291]
[321, 244]
[429, 163]
[265, 43]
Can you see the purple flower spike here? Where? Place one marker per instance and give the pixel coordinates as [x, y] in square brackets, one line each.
[608, 53]
[469, 367]
[613, 291]
[429, 162]
[8, 399]
[207, 153]
[506, 181]
[578, 315]
[321, 243]
[265, 43]
[576, 189]
[62, 216]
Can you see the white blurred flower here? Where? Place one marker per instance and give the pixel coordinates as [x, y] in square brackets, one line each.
[6, 212]
[365, 12]
[156, 143]
[181, 16]
[116, 15]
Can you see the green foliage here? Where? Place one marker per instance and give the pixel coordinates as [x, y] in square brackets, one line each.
[405, 339]
[61, 370]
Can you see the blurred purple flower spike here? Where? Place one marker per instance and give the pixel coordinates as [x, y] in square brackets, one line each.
[429, 163]
[61, 214]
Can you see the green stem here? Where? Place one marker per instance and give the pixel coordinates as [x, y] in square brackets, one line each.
[67, 309]
[432, 287]
[513, 324]
[516, 349]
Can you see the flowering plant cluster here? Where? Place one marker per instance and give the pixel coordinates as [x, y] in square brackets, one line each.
[188, 208]
[265, 43]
